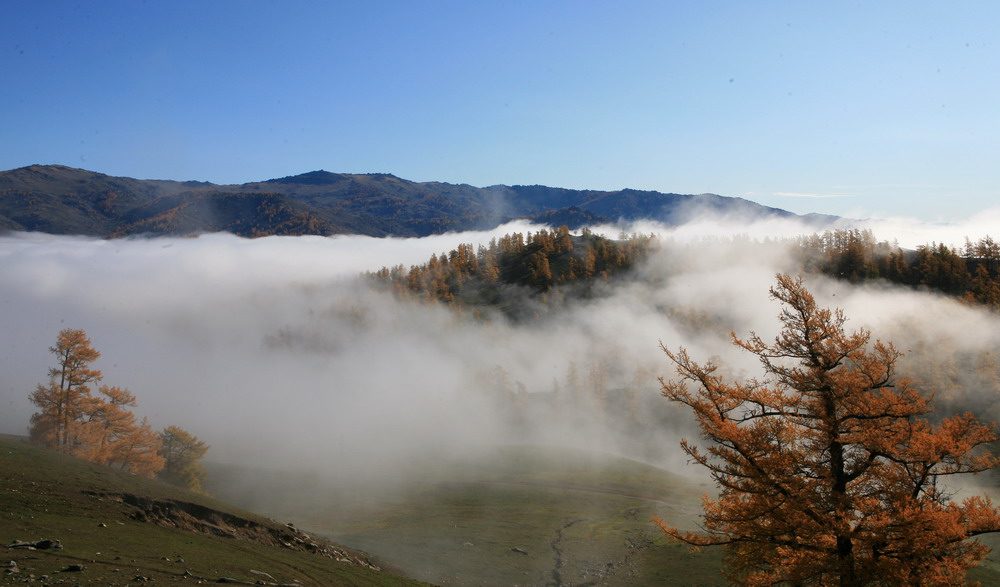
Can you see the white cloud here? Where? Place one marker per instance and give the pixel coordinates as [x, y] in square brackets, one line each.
[263, 347]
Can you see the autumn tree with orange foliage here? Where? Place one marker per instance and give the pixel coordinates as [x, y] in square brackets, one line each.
[111, 436]
[828, 471]
[99, 428]
[61, 401]
[182, 453]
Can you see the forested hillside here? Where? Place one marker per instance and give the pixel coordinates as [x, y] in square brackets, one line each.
[522, 274]
[542, 266]
[971, 273]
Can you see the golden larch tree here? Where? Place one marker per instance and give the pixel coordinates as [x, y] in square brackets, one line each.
[99, 428]
[102, 422]
[111, 436]
[829, 472]
[182, 453]
[61, 400]
[137, 451]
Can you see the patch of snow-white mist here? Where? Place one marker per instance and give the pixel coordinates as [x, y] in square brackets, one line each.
[911, 233]
[274, 351]
[711, 227]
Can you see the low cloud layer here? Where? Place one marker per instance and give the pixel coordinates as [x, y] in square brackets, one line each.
[273, 351]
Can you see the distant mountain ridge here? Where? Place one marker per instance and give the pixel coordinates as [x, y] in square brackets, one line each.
[64, 200]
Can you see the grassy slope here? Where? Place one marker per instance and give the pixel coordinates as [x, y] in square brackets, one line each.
[515, 516]
[45, 495]
[578, 519]
[573, 518]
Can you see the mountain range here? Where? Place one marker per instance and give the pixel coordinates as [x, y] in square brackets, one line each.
[64, 200]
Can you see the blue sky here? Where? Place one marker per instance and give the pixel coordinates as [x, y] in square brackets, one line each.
[859, 109]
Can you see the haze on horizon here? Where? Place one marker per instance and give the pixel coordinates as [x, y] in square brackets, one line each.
[883, 110]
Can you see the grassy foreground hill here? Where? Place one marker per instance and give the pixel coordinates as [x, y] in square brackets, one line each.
[510, 516]
[513, 515]
[119, 529]
[516, 515]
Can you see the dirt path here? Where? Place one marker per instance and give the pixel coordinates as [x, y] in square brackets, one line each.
[558, 554]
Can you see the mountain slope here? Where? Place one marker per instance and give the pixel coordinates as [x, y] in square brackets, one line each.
[121, 529]
[510, 515]
[63, 200]
[241, 213]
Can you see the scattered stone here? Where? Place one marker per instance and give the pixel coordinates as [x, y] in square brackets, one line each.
[519, 550]
[263, 574]
[468, 544]
[102, 525]
[37, 545]
[140, 579]
[74, 569]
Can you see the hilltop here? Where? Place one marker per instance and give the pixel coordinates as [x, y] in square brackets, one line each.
[64, 200]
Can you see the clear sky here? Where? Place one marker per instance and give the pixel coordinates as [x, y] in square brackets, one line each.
[861, 109]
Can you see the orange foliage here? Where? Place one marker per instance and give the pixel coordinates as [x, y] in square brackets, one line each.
[827, 471]
[182, 453]
[110, 435]
[97, 428]
[69, 383]
[539, 261]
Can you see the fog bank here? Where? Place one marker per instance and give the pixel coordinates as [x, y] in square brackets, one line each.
[273, 351]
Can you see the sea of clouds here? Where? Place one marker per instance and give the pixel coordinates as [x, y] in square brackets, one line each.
[274, 350]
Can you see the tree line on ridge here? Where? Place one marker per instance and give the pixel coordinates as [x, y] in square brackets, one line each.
[550, 265]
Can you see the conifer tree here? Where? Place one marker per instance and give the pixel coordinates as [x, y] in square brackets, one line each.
[61, 401]
[99, 428]
[182, 453]
[828, 470]
[137, 451]
[109, 434]
[103, 422]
